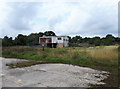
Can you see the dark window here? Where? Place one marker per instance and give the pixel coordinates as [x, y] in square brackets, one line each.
[59, 38]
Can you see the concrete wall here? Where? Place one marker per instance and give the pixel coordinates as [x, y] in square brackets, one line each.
[55, 40]
[65, 41]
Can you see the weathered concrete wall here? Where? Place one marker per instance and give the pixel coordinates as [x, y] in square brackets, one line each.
[66, 41]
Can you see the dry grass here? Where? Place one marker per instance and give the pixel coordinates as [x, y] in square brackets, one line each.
[107, 52]
[100, 52]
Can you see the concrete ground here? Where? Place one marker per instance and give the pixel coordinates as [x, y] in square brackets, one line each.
[49, 75]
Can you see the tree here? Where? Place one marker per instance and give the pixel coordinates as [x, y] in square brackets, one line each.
[86, 40]
[117, 40]
[76, 39]
[33, 38]
[6, 41]
[109, 40]
[20, 40]
[49, 33]
[69, 39]
[97, 41]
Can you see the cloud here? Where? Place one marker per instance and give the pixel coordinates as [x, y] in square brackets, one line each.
[85, 18]
[18, 17]
[90, 20]
[22, 15]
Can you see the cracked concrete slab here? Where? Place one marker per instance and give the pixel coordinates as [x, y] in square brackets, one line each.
[49, 75]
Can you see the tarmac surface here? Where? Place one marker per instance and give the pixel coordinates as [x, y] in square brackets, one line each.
[48, 75]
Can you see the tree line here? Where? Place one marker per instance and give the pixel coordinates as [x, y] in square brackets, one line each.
[33, 39]
[97, 41]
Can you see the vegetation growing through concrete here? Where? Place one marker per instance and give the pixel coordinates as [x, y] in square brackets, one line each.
[99, 57]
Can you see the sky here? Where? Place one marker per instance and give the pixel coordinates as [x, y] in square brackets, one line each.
[87, 18]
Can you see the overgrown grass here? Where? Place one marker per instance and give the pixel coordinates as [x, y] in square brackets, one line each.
[100, 57]
[107, 52]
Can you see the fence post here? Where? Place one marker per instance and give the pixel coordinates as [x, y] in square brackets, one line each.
[43, 46]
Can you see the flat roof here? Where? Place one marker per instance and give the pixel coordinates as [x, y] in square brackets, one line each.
[51, 36]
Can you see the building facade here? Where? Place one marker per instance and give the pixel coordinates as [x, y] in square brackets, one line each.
[54, 41]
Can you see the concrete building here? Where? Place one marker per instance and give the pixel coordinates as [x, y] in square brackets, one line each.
[54, 41]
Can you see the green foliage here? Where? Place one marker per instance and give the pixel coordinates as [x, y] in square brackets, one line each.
[7, 41]
[20, 40]
[49, 33]
[96, 41]
[33, 39]
[109, 40]
[76, 39]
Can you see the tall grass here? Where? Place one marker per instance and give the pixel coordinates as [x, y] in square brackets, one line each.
[107, 52]
[97, 56]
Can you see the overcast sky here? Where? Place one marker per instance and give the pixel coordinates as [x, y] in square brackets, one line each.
[82, 17]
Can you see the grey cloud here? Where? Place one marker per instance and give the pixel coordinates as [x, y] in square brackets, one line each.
[102, 22]
[58, 19]
[54, 21]
[21, 15]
